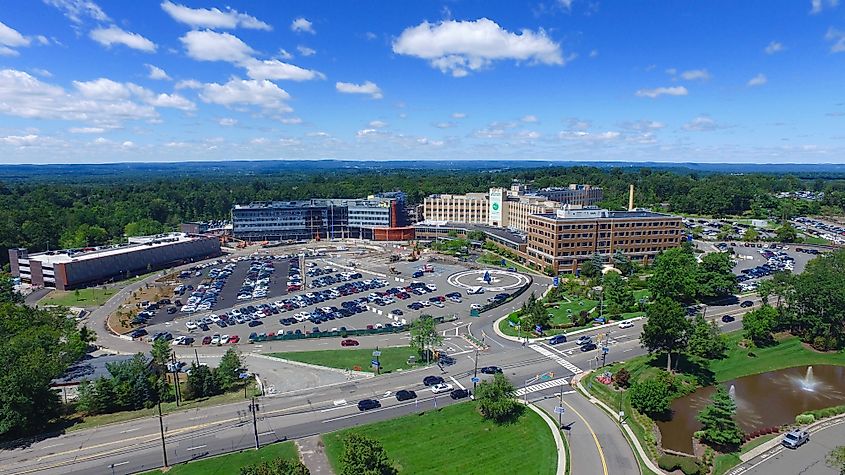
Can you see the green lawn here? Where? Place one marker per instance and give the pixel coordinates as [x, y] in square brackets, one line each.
[807, 239]
[723, 463]
[491, 258]
[90, 297]
[391, 359]
[231, 464]
[455, 439]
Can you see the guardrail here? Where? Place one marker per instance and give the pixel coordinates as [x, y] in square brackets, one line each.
[329, 334]
[511, 297]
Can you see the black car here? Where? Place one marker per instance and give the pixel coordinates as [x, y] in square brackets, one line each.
[138, 333]
[255, 323]
[459, 393]
[746, 304]
[432, 380]
[366, 404]
[404, 395]
[491, 370]
[588, 346]
[728, 318]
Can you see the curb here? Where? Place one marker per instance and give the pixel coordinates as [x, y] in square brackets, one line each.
[576, 332]
[632, 438]
[770, 444]
[561, 449]
[312, 366]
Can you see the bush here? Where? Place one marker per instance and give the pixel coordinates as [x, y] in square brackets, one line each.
[687, 465]
[622, 378]
[804, 419]
[698, 434]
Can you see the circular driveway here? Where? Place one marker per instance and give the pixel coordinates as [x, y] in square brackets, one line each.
[499, 280]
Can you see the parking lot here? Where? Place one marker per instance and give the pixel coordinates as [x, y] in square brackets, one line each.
[756, 263]
[334, 292]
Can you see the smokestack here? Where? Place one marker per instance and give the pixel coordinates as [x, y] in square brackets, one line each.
[631, 198]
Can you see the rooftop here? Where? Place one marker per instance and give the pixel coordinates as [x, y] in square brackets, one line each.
[596, 213]
[136, 243]
[89, 368]
[501, 233]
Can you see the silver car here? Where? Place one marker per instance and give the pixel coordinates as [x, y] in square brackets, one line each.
[795, 438]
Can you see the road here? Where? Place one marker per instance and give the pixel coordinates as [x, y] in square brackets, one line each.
[597, 444]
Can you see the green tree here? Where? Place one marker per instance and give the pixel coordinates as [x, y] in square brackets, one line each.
[424, 336]
[229, 369]
[624, 263]
[476, 236]
[592, 267]
[495, 399]
[617, 298]
[202, 383]
[651, 396]
[815, 302]
[786, 233]
[7, 290]
[674, 275]
[143, 227]
[364, 456]
[836, 459]
[706, 340]
[715, 275]
[666, 329]
[758, 325]
[718, 424]
[751, 234]
[278, 466]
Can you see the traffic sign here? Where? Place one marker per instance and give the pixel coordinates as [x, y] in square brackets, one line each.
[605, 350]
[475, 379]
[377, 353]
[556, 281]
[560, 410]
[375, 363]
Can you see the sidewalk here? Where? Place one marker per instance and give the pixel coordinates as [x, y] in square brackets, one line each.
[313, 455]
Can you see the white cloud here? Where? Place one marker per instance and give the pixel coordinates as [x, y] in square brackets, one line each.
[696, 74]
[274, 69]
[227, 122]
[10, 38]
[188, 84]
[87, 130]
[530, 119]
[291, 121]
[239, 92]
[42, 72]
[156, 73]
[758, 80]
[444, 125]
[643, 125]
[284, 54]
[370, 35]
[76, 10]
[582, 136]
[127, 144]
[377, 124]
[306, 51]
[366, 133]
[838, 39]
[367, 87]
[701, 123]
[213, 17]
[458, 115]
[174, 101]
[773, 47]
[458, 47]
[206, 45]
[20, 140]
[816, 6]
[660, 91]
[6, 51]
[101, 141]
[114, 35]
[594, 53]
[301, 25]
[107, 90]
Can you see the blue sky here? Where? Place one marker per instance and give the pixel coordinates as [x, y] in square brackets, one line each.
[716, 81]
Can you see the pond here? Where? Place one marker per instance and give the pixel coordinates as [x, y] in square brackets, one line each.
[763, 400]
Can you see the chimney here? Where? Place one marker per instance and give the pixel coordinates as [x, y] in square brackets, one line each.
[631, 198]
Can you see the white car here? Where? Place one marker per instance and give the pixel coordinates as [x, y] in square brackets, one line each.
[475, 306]
[192, 325]
[441, 388]
[223, 339]
[214, 318]
[431, 287]
[215, 339]
[178, 340]
[626, 324]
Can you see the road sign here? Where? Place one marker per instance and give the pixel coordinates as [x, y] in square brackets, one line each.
[475, 379]
[377, 353]
[605, 350]
[375, 363]
[560, 410]
[556, 281]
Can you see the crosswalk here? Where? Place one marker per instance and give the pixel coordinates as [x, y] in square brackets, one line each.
[552, 383]
[556, 358]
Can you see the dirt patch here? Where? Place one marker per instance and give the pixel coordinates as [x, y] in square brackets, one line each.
[120, 320]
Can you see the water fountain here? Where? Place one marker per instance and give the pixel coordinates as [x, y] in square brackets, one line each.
[732, 393]
[809, 382]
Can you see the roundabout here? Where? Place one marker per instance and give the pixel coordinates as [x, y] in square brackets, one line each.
[491, 280]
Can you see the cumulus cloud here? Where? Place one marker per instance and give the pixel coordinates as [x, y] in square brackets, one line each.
[239, 92]
[9, 39]
[206, 45]
[367, 87]
[530, 119]
[156, 73]
[306, 51]
[458, 47]
[661, 91]
[773, 47]
[87, 130]
[107, 90]
[377, 124]
[758, 80]
[701, 123]
[583, 136]
[301, 25]
[213, 17]
[444, 125]
[642, 125]
[816, 6]
[115, 35]
[77, 10]
[227, 122]
[837, 38]
[458, 115]
[20, 140]
[274, 69]
[696, 74]
[188, 84]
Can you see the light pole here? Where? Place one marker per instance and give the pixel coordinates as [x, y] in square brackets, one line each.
[560, 411]
[161, 427]
[175, 377]
[475, 372]
[253, 408]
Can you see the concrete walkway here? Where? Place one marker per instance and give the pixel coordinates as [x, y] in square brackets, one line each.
[561, 449]
[313, 455]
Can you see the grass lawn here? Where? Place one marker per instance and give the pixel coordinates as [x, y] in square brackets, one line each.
[90, 297]
[391, 359]
[231, 464]
[723, 463]
[806, 239]
[87, 422]
[491, 258]
[455, 439]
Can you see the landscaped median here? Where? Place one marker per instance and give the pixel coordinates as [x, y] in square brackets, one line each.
[456, 439]
[394, 358]
[231, 464]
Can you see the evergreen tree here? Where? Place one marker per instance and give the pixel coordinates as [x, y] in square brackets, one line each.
[364, 456]
[228, 370]
[719, 426]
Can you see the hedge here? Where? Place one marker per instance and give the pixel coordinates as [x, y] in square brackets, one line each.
[687, 465]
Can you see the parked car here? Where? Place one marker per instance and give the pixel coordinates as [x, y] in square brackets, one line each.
[206, 340]
[432, 380]
[404, 395]
[795, 438]
[349, 342]
[138, 333]
[728, 318]
[557, 339]
[491, 370]
[746, 304]
[583, 340]
[459, 393]
[441, 388]
[626, 324]
[367, 404]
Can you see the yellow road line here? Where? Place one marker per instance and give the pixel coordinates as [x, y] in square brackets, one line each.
[595, 439]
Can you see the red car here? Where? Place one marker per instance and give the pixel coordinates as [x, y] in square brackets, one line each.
[349, 342]
[206, 340]
[234, 339]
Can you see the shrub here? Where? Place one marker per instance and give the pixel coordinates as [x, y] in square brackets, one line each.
[687, 465]
[698, 434]
[622, 378]
[804, 419]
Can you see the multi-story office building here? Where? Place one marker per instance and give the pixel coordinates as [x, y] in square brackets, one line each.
[76, 268]
[472, 208]
[567, 237]
[375, 217]
[581, 195]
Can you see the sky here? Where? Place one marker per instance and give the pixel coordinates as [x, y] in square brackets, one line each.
[94, 81]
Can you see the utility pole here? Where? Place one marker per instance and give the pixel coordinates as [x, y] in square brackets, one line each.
[161, 426]
[604, 348]
[175, 377]
[475, 373]
[197, 355]
[253, 408]
[378, 365]
[560, 412]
